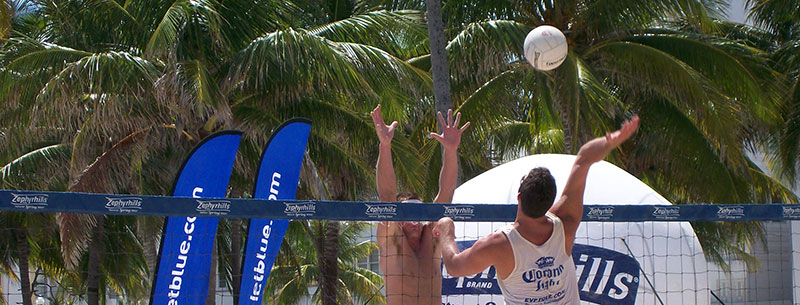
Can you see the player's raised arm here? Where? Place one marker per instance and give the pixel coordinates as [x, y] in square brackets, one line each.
[569, 207]
[450, 138]
[384, 177]
[473, 260]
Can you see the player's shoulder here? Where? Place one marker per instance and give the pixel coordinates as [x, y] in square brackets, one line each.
[496, 239]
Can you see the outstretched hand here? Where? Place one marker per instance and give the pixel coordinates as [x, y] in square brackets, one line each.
[385, 132]
[451, 134]
[597, 149]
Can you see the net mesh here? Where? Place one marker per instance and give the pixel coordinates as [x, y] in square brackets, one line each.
[617, 261]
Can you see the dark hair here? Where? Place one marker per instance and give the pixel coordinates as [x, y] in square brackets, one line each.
[537, 191]
[408, 196]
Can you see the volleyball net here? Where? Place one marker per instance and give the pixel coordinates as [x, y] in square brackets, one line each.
[623, 254]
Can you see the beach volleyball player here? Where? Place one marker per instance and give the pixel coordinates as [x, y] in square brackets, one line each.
[533, 256]
[409, 257]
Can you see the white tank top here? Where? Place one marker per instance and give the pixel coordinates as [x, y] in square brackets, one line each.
[542, 274]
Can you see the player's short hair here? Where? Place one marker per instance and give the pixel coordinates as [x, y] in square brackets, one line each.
[537, 191]
[405, 196]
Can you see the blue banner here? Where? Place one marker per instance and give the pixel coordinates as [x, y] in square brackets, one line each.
[182, 273]
[278, 176]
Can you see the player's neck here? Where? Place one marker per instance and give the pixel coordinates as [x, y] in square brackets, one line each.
[536, 230]
[414, 242]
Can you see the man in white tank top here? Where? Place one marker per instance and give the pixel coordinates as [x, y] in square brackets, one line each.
[532, 257]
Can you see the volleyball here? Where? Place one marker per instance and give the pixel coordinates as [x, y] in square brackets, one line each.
[545, 47]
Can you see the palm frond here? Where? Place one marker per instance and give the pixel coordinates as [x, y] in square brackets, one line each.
[483, 50]
[401, 33]
[30, 171]
[180, 19]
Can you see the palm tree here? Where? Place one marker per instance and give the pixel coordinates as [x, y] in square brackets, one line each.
[781, 21]
[705, 99]
[297, 268]
[136, 85]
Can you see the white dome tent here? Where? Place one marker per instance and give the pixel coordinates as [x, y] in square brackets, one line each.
[616, 262]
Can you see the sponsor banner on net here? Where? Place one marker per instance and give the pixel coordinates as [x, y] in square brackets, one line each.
[213, 207]
[666, 213]
[381, 211]
[791, 212]
[29, 201]
[730, 212]
[459, 212]
[600, 213]
[124, 204]
[300, 209]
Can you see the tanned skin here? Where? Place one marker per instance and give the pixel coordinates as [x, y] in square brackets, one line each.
[495, 249]
[409, 257]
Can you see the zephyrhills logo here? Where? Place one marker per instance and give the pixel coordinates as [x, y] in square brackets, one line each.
[601, 213]
[304, 209]
[29, 201]
[545, 261]
[124, 204]
[214, 207]
[732, 212]
[791, 212]
[381, 210]
[459, 212]
[667, 212]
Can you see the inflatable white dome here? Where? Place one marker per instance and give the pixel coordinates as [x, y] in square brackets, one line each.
[616, 262]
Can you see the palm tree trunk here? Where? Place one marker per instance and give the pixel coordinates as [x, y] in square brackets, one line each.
[565, 98]
[440, 69]
[23, 251]
[96, 250]
[211, 298]
[236, 259]
[328, 262]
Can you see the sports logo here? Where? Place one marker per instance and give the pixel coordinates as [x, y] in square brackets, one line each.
[213, 207]
[29, 201]
[791, 212]
[459, 212]
[600, 213]
[304, 209]
[381, 211]
[730, 212]
[545, 261]
[667, 213]
[124, 204]
[605, 276]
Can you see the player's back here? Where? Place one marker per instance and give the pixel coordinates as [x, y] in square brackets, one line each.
[542, 274]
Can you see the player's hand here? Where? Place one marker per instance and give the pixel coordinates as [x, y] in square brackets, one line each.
[451, 134]
[385, 132]
[597, 149]
[444, 228]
